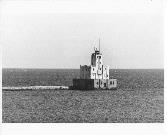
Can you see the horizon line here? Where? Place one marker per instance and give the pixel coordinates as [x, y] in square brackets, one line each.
[69, 68]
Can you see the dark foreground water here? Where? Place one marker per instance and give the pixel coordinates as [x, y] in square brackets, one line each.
[139, 98]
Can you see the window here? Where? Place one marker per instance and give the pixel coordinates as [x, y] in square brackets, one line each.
[93, 69]
[111, 82]
[104, 84]
[97, 83]
[100, 68]
[99, 57]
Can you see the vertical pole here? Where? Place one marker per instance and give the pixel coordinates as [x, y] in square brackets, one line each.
[99, 45]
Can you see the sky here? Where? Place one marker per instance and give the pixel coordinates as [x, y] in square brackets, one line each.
[63, 34]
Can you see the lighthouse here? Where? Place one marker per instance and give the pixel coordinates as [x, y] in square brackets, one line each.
[95, 75]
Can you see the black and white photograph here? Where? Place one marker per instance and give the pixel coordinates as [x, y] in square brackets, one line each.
[84, 62]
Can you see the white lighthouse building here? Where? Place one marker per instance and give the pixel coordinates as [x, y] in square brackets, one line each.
[96, 70]
[96, 75]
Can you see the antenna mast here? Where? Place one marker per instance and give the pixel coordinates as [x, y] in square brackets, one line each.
[99, 45]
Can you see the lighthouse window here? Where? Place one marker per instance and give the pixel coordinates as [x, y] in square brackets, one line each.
[104, 84]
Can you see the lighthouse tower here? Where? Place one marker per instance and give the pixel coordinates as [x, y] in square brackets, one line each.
[98, 70]
[95, 76]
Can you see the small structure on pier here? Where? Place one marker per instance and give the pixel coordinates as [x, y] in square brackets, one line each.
[95, 76]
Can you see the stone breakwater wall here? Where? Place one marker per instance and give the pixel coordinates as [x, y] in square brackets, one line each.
[36, 87]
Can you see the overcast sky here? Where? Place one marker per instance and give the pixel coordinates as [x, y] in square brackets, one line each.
[60, 35]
